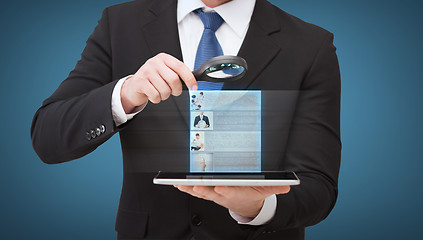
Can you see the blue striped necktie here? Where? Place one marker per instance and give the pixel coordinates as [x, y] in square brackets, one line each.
[209, 45]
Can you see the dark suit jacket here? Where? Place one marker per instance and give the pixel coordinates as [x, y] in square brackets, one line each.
[197, 119]
[283, 53]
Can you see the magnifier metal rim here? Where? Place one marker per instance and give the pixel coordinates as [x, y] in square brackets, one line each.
[200, 74]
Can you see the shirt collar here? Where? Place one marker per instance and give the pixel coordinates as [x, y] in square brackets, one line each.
[236, 13]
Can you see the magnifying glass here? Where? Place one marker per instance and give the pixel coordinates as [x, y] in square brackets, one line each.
[221, 69]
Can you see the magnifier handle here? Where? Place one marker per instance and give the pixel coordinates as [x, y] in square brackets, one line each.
[197, 74]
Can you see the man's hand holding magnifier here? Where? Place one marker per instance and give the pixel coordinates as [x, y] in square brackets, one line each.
[155, 81]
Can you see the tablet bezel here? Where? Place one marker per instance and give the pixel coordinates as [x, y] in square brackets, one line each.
[274, 178]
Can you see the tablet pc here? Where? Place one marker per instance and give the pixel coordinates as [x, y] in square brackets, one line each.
[276, 178]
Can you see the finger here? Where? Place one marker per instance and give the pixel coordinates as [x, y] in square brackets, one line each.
[235, 191]
[185, 189]
[189, 190]
[257, 192]
[269, 190]
[281, 189]
[181, 69]
[160, 85]
[226, 191]
[134, 96]
[145, 87]
[172, 79]
[208, 192]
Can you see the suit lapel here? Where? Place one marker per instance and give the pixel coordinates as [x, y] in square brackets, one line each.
[161, 35]
[161, 31]
[258, 48]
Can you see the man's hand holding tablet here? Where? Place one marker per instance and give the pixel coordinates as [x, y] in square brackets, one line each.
[242, 193]
[243, 200]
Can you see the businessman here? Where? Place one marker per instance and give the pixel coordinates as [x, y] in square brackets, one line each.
[132, 78]
[201, 121]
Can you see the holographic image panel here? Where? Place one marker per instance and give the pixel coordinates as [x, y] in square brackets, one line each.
[225, 131]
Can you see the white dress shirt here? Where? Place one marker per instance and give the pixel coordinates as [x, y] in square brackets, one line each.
[236, 15]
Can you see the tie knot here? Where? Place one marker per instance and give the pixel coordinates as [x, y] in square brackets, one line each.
[211, 20]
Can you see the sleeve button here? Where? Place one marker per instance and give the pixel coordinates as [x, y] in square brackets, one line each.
[88, 136]
[93, 134]
[102, 128]
[97, 131]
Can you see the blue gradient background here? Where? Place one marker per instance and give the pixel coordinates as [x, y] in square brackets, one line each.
[380, 53]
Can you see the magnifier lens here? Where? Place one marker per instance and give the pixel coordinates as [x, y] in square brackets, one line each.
[221, 69]
[224, 70]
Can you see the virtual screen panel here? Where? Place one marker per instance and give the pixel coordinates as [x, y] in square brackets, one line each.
[225, 131]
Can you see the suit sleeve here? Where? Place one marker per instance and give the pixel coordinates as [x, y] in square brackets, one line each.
[314, 146]
[196, 120]
[206, 119]
[80, 106]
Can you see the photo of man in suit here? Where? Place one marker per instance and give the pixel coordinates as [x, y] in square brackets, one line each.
[137, 64]
[201, 121]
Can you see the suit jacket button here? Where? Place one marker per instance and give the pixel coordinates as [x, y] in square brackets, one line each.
[88, 135]
[93, 134]
[97, 131]
[196, 220]
[102, 128]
